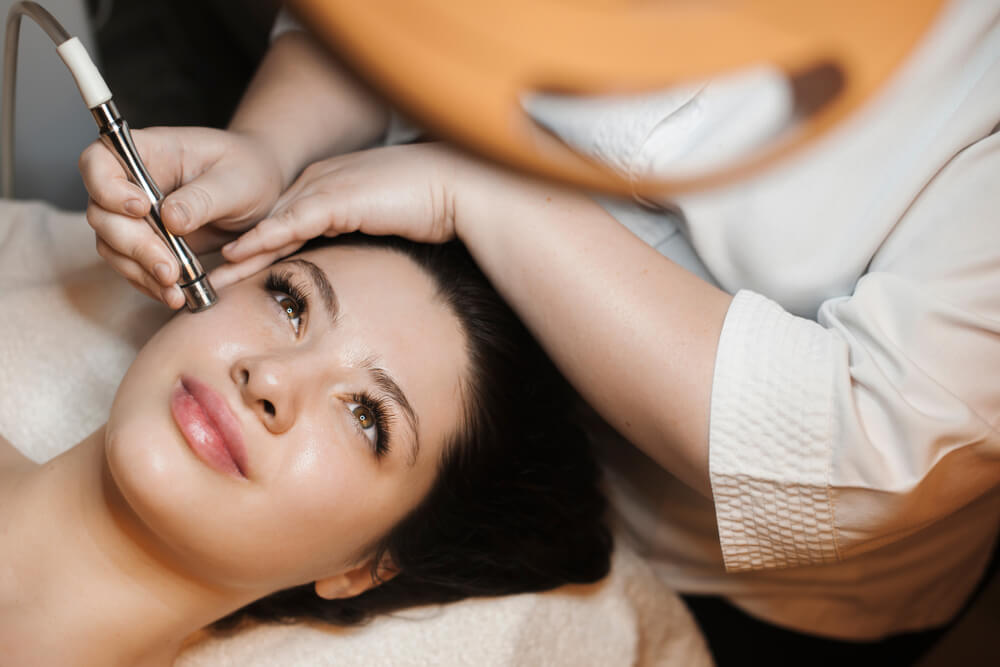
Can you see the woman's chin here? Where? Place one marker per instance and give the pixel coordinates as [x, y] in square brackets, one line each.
[155, 484]
[184, 511]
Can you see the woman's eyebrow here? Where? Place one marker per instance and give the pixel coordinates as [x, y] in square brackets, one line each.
[322, 284]
[387, 384]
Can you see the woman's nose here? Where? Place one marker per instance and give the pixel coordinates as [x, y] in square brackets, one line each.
[268, 390]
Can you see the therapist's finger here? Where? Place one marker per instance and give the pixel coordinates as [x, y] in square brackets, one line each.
[138, 278]
[172, 297]
[230, 273]
[130, 270]
[219, 194]
[142, 288]
[135, 240]
[297, 222]
[107, 183]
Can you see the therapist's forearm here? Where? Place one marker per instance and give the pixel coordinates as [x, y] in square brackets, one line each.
[635, 333]
[305, 107]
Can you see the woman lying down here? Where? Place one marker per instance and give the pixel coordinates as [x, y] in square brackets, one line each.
[360, 428]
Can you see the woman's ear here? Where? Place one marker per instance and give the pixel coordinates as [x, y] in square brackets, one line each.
[355, 581]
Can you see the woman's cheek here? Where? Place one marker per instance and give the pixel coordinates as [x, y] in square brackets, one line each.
[320, 466]
[328, 475]
[320, 506]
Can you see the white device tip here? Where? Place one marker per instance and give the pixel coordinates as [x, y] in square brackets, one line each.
[88, 79]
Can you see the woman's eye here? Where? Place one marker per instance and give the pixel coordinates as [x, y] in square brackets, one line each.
[366, 420]
[292, 309]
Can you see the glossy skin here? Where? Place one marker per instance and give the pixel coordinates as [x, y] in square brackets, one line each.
[316, 496]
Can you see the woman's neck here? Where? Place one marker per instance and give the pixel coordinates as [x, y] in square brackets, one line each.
[83, 580]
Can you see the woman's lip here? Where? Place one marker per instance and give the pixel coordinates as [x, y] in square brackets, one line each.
[209, 426]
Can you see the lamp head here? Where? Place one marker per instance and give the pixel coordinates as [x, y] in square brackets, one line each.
[463, 69]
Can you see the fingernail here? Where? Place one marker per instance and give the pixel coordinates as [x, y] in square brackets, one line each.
[134, 207]
[180, 215]
[229, 247]
[168, 295]
[162, 272]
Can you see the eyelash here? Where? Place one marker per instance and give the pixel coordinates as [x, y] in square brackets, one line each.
[383, 421]
[283, 282]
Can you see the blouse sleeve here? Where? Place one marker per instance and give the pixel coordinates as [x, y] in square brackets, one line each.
[833, 437]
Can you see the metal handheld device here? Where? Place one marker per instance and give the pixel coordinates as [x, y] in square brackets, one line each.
[114, 133]
[198, 292]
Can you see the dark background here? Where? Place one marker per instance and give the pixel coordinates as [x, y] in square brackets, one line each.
[180, 62]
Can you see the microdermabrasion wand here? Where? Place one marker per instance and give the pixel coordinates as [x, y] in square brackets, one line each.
[114, 133]
[198, 292]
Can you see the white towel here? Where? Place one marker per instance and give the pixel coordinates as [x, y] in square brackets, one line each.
[68, 332]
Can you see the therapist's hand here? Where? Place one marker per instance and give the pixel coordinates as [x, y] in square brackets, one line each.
[411, 191]
[219, 183]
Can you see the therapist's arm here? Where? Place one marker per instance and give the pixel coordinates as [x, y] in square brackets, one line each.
[304, 106]
[635, 333]
[829, 438]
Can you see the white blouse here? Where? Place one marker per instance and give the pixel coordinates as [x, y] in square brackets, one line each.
[854, 450]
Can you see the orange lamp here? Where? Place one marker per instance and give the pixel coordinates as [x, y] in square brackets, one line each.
[461, 67]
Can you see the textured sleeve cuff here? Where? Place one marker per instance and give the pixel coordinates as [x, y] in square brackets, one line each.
[770, 438]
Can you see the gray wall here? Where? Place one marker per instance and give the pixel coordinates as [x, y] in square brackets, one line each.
[52, 124]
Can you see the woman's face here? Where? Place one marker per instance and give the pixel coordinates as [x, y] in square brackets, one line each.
[270, 440]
